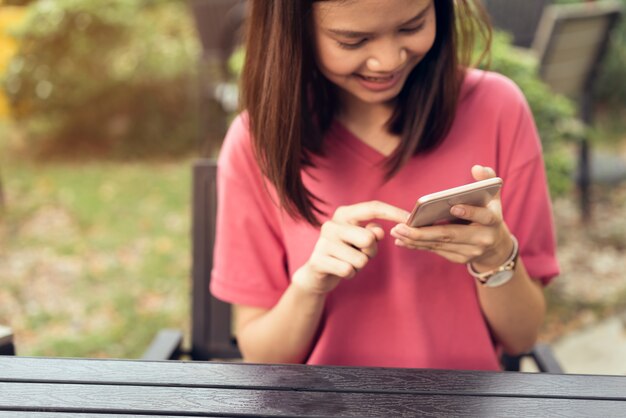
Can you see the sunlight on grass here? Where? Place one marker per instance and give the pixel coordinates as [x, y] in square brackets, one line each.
[95, 257]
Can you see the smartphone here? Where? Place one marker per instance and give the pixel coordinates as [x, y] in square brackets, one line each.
[435, 207]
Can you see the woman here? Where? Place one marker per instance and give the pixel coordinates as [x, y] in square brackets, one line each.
[354, 109]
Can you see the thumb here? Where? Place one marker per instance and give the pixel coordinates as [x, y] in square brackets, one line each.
[480, 172]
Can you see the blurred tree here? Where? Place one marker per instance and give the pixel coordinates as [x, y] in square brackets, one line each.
[15, 2]
[9, 17]
[111, 78]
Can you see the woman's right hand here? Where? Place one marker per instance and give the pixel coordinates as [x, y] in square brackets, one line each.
[345, 246]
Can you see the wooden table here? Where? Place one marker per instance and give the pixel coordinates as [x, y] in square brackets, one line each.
[49, 387]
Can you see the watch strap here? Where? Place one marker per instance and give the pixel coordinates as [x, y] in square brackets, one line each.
[508, 265]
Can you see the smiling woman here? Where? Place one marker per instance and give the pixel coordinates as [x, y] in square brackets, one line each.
[286, 44]
[372, 63]
[353, 109]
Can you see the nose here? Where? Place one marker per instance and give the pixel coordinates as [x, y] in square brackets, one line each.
[387, 58]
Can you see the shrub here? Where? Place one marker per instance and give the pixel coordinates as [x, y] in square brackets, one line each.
[111, 78]
[554, 114]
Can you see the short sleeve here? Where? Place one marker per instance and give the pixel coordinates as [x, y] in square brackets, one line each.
[249, 255]
[525, 196]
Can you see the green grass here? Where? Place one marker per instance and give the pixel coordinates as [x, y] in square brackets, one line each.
[94, 257]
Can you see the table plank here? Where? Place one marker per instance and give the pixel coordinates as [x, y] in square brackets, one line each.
[298, 377]
[155, 400]
[39, 414]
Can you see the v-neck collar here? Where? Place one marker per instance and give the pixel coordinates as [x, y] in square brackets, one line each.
[345, 137]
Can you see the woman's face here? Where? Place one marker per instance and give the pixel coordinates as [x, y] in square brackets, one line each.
[367, 48]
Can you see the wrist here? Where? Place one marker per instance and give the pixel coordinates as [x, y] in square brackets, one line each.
[304, 283]
[501, 274]
[498, 256]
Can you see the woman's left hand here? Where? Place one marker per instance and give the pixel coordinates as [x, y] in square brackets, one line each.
[485, 242]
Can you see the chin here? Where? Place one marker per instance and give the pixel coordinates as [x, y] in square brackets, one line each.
[383, 98]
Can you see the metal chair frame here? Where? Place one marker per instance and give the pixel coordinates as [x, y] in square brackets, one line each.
[7, 347]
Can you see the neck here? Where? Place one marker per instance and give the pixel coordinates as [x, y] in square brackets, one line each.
[356, 112]
[369, 123]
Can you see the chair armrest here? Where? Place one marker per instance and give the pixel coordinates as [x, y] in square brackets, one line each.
[165, 346]
[6, 341]
[545, 359]
[541, 354]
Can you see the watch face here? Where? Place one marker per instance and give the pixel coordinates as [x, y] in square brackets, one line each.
[499, 278]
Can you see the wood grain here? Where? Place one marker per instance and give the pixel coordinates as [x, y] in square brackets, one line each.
[72, 398]
[313, 378]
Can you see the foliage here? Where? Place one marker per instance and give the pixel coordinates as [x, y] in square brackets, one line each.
[112, 78]
[554, 114]
[15, 2]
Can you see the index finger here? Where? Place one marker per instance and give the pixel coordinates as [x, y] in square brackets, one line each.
[489, 215]
[366, 211]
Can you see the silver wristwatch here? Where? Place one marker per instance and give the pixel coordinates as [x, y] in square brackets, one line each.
[501, 275]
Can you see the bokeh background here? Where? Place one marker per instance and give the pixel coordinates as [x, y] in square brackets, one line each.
[103, 109]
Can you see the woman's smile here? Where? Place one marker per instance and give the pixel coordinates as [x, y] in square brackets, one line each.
[379, 83]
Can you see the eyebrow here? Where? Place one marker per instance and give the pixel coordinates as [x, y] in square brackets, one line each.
[355, 34]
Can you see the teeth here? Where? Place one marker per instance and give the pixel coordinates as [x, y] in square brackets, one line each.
[378, 79]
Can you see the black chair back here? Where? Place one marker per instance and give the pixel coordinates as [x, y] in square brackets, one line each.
[211, 335]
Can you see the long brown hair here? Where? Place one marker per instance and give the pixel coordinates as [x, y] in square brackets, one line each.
[291, 105]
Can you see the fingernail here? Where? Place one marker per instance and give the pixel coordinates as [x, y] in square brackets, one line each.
[457, 211]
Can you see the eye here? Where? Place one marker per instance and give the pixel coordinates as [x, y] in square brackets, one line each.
[412, 29]
[352, 45]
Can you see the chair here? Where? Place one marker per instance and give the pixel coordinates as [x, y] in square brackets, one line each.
[7, 348]
[211, 334]
[570, 43]
[541, 355]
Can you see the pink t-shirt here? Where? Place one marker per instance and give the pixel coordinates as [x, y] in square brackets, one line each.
[406, 308]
